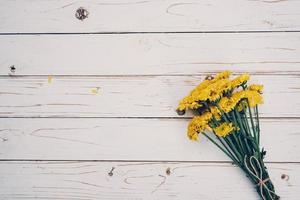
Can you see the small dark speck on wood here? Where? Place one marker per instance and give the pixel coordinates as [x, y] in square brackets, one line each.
[81, 13]
[180, 112]
[209, 77]
[168, 171]
[12, 69]
[285, 177]
[110, 173]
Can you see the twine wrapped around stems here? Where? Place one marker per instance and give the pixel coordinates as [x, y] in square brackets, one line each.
[258, 174]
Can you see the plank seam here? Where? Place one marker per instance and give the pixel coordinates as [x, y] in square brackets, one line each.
[143, 32]
[120, 117]
[273, 73]
[138, 161]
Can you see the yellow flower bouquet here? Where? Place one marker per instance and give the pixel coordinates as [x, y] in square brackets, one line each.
[226, 112]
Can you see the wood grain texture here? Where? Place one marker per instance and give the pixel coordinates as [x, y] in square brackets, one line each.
[130, 139]
[101, 105]
[143, 16]
[136, 96]
[150, 54]
[136, 181]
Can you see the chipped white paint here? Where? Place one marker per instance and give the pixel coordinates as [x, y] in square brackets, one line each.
[137, 180]
[151, 54]
[134, 96]
[131, 139]
[48, 16]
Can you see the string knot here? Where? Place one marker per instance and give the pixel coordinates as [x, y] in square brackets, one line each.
[258, 174]
[262, 182]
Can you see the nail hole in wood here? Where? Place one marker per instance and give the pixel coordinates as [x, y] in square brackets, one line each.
[81, 13]
[180, 112]
[110, 173]
[285, 177]
[12, 69]
[168, 171]
[209, 77]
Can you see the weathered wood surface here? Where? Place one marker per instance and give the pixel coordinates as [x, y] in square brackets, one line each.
[134, 180]
[84, 98]
[130, 139]
[150, 54]
[119, 96]
[143, 16]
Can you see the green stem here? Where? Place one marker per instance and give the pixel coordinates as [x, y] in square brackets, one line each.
[247, 135]
[239, 138]
[228, 150]
[232, 146]
[232, 158]
[258, 127]
[251, 120]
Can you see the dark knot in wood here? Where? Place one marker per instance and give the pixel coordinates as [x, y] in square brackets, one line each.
[209, 77]
[180, 112]
[110, 173]
[81, 13]
[12, 69]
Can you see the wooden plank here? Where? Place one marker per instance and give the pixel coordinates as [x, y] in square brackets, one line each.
[90, 181]
[154, 54]
[131, 139]
[136, 96]
[137, 15]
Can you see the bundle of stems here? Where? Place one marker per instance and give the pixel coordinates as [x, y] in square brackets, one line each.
[226, 113]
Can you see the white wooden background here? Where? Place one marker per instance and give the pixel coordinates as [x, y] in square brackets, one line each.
[99, 94]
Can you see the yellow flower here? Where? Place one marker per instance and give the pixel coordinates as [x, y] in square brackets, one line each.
[254, 98]
[224, 129]
[197, 94]
[207, 89]
[237, 96]
[227, 104]
[215, 91]
[188, 103]
[206, 116]
[223, 75]
[200, 95]
[240, 80]
[198, 124]
[225, 85]
[214, 94]
[215, 112]
[256, 87]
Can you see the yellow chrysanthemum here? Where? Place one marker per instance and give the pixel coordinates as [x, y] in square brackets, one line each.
[198, 124]
[239, 80]
[216, 113]
[254, 98]
[225, 85]
[197, 94]
[214, 94]
[206, 116]
[256, 87]
[223, 75]
[215, 91]
[208, 89]
[237, 96]
[188, 103]
[227, 104]
[224, 129]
